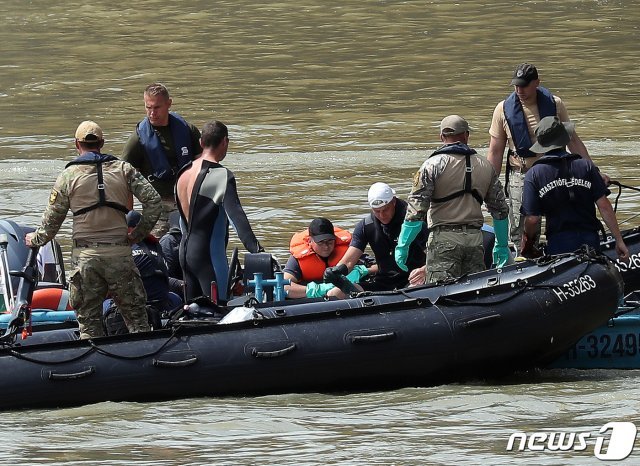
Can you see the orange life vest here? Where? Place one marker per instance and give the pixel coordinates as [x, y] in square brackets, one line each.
[311, 264]
[55, 299]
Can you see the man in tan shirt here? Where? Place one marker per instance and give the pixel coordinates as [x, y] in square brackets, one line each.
[448, 192]
[514, 122]
[97, 189]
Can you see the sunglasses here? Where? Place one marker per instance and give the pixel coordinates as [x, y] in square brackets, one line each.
[378, 203]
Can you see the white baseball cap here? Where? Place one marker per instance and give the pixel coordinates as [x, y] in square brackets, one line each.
[380, 194]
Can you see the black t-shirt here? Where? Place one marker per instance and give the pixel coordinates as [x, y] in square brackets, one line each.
[383, 239]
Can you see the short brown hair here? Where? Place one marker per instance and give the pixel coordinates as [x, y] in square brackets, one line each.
[157, 89]
[213, 132]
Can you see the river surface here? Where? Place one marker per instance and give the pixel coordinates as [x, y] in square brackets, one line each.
[322, 99]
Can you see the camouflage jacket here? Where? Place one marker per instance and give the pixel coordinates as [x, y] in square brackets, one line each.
[104, 224]
[443, 174]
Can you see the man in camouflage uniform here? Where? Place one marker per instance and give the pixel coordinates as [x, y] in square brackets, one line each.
[448, 192]
[98, 189]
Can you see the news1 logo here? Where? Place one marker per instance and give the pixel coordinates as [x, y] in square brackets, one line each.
[620, 438]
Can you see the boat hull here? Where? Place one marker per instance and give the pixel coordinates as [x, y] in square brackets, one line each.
[616, 344]
[490, 324]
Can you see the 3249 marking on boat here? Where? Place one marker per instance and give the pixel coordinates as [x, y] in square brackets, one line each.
[574, 288]
[606, 346]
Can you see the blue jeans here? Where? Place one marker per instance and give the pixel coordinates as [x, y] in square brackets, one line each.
[569, 241]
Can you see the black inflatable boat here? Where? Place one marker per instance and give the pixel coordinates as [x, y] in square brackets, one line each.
[487, 324]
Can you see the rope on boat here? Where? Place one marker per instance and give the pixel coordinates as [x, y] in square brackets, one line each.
[615, 206]
[24, 357]
[104, 352]
[94, 348]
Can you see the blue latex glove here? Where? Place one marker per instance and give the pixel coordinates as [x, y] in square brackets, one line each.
[318, 290]
[501, 247]
[357, 273]
[408, 233]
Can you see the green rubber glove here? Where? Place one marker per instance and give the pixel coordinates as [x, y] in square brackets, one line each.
[357, 273]
[501, 247]
[408, 233]
[318, 290]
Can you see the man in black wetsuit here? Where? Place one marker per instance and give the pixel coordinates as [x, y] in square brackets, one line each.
[207, 199]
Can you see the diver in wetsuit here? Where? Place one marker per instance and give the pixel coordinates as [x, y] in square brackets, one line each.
[208, 200]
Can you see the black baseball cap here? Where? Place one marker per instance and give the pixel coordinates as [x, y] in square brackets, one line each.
[321, 229]
[524, 74]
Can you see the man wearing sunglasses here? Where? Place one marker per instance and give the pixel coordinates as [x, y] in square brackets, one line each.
[313, 250]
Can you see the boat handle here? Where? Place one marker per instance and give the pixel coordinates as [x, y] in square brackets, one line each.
[71, 376]
[183, 363]
[480, 320]
[272, 354]
[373, 338]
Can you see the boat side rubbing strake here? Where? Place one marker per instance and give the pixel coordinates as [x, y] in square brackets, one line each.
[485, 324]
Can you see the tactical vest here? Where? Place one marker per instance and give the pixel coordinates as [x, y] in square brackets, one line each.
[460, 149]
[93, 158]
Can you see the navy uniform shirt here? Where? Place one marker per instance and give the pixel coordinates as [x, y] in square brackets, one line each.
[565, 196]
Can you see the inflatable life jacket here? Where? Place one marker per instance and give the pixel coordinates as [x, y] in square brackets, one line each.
[517, 122]
[93, 158]
[55, 299]
[312, 266]
[152, 145]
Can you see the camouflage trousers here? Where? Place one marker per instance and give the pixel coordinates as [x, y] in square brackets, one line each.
[97, 276]
[515, 189]
[162, 225]
[453, 252]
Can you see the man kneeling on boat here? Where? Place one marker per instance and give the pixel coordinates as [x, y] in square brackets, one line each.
[313, 250]
[379, 230]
